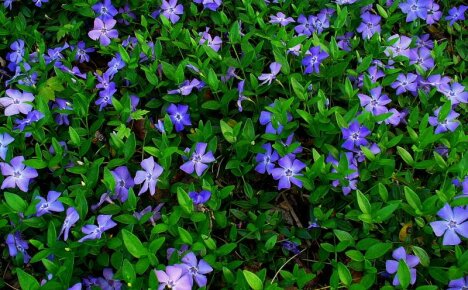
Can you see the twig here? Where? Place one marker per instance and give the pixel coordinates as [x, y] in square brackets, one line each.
[281, 268]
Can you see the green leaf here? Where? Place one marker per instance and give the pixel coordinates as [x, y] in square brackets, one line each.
[403, 274]
[185, 236]
[422, 255]
[128, 272]
[377, 250]
[363, 202]
[405, 155]
[130, 147]
[133, 244]
[413, 199]
[227, 132]
[253, 280]
[226, 249]
[270, 243]
[184, 200]
[15, 202]
[74, 137]
[26, 281]
[344, 274]
[36, 163]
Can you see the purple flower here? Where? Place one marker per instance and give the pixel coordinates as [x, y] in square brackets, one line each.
[51, 204]
[123, 181]
[306, 25]
[212, 5]
[456, 14]
[437, 81]
[241, 97]
[95, 232]
[376, 102]
[105, 10]
[31, 117]
[291, 246]
[359, 155]
[350, 178]
[268, 78]
[198, 160]
[374, 75]
[314, 59]
[55, 54]
[398, 48]
[281, 18]
[320, 22]
[175, 277]
[155, 213]
[17, 53]
[214, 43]
[414, 9]
[410, 260]
[454, 224]
[354, 136]
[38, 3]
[171, 10]
[396, 118]
[266, 119]
[105, 98]
[8, 4]
[179, 116]
[405, 83]
[15, 102]
[344, 41]
[424, 41]
[197, 269]
[70, 220]
[231, 73]
[18, 174]
[200, 197]
[170, 251]
[458, 284]
[455, 93]
[186, 87]
[287, 172]
[16, 244]
[107, 282]
[370, 25]
[5, 140]
[103, 31]
[149, 175]
[295, 50]
[422, 57]
[126, 14]
[449, 124]
[115, 65]
[265, 160]
[61, 105]
[433, 13]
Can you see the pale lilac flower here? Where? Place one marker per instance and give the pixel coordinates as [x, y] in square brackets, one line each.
[5, 140]
[149, 176]
[197, 269]
[422, 57]
[215, 43]
[305, 26]
[241, 97]
[198, 160]
[175, 277]
[320, 22]
[115, 65]
[71, 218]
[8, 4]
[212, 5]
[16, 244]
[424, 41]
[406, 83]
[455, 223]
[103, 31]
[414, 9]
[396, 118]
[410, 260]
[376, 102]
[437, 81]
[370, 25]
[295, 50]
[17, 53]
[155, 213]
[400, 47]
[449, 124]
[172, 10]
[17, 174]
[94, 232]
[266, 160]
[200, 197]
[281, 19]
[231, 73]
[51, 204]
[268, 78]
[287, 172]
[433, 13]
[31, 117]
[15, 102]
[455, 93]
[107, 282]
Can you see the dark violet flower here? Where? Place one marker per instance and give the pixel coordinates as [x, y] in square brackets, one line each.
[115, 65]
[281, 19]
[105, 10]
[354, 136]
[31, 117]
[70, 220]
[455, 93]
[424, 41]
[266, 160]
[197, 269]
[198, 160]
[38, 3]
[406, 83]
[437, 81]
[175, 277]
[313, 60]
[171, 10]
[344, 41]
[105, 98]
[107, 282]
[94, 232]
[149, 176]
[126, 14]
[231, 73]
[268, 78]
[376, 102]
[359, 155]
[456, 14]
[410, 260]
[179, 116]
[433, 13]
[455, 223]
[8, 4]
[170, 251]
[350, 178]
[396, 118]
[51, 204]
[287, 172]
[291, 247]
[458, 284]
[155, 213]
[374, 74]
[241, 97]
[370, 25]
[442, 150]
[82, 52]
[422, 57]
[305, 26]
[5, 140]
[200, 197]
[123, 181]
[215, 43]
[15, 102]
[55, 55]
[449, 124]
[320, 22]
[414, 9]
[400, 47]
[62, 105]
[212, 5]
[17, 174]
[89, 282]
[17, 53]
[103, 31]
[16, 244]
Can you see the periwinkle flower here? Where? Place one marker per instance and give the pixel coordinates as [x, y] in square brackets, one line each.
[350, 178]
[5, 140]
[179, 116]
[410, 260]
[290, 246]
[212, 5]
[355, 136]
[123, 181]
[200, 197]
[17, 174]
[455, 93]
[115, 65]
[105, 98]
[8, 4]
[241, 97]
[155, 213]
[458, 284]
[16, 244]
[449, 124]
[422, 57]
[62, 105]
[215, 43]
[266, 160]
[370, 25]
[231, 73]
[172, 10]
[126, 14]
[305, 26]
[82, 52]
[103, 31]
[344, 41]
[454, 224]
[295, 50]
[320, 22]
[456, 14]
[149, 176]
[281, 18]
[17, 53]
[31, 117]
[268, 78]
[406, 83]
[414, 9]
[179, 253]
[186, 87]
[51, 204]
[400, 47]
[359, 155]
[71, 218]
[197, 269]
[396, 118]
[107, 281]
[437, 81]
[424, 41]
[94, 232]
[287, 172]
[376, 102]
[38, 3]
[105, 10]
[15, 102]
[175, 277]
[433, 13]
[373, 73]
[313, 60]
[198, 160]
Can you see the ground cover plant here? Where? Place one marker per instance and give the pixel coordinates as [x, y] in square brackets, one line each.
[243, 144]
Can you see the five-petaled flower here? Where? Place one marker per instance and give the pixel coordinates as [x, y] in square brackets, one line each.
[51, 204]
[94, 232]
[410, 260]
[376, 102]
[200, 197]
[268, 78]
[149, 176]
[355, 136]
[179, 116]
[198, 160]
[18, 174]
[455, 223]
[175, 277]
[266, 160]
[103, 31]
[16, 102]
[16, 244]
[197, 269]
[71, 218]
[172, 10]
[287, 172]
[313, 60]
